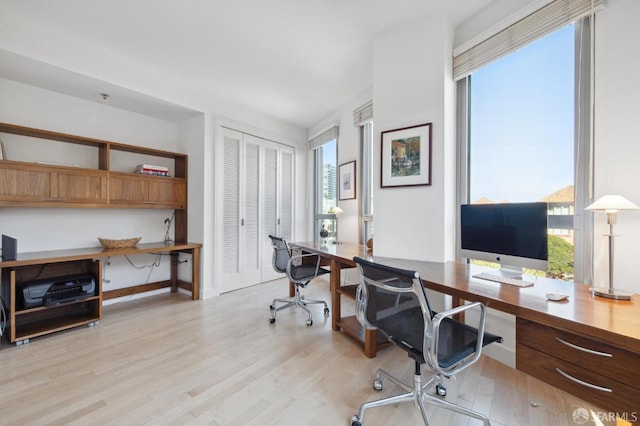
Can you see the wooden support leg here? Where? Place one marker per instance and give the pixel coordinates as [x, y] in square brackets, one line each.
[195, 273]
[334, 283]
[174, 271]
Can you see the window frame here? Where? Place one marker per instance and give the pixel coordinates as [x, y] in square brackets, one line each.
[365, 132]
[318, 191]
[583, 173]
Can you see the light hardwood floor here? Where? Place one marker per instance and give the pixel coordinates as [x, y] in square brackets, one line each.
[169, 360]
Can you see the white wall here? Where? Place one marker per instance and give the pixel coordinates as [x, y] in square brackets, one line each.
[409, 88]
[40, 229]
[617, 140]
[196, 137]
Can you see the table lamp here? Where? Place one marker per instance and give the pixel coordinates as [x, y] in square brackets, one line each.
[611, 205]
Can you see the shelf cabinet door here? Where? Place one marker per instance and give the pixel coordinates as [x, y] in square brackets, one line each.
[27, 184]
[127, 190]
[79, 187]
[170, 192]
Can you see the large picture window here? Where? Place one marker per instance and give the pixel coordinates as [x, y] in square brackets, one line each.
[325, 155]
[522, 120]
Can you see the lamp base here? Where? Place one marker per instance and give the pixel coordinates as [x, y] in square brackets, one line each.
[611, 293]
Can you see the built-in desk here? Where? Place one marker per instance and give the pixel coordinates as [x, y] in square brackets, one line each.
[27, 323]
[588, 346]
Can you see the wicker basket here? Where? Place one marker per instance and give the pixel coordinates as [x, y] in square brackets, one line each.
[128, 242]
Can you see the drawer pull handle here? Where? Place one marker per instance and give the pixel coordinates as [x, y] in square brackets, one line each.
[580, 348]
[580, 382]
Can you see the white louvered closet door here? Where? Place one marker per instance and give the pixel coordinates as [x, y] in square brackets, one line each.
[270, 209]
[277, 217]
[251, 212]
[286, 191]
[231, 211]
[258, 202]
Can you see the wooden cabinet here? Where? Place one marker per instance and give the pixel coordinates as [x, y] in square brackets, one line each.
[25, 184]
[592, 370]
[27, 323]
[147, 191]
[34, 184]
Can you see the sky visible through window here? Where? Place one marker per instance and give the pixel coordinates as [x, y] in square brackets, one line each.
[522, 122]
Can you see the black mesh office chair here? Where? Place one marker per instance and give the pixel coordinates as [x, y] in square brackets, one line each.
[394, 301]
[301, 270]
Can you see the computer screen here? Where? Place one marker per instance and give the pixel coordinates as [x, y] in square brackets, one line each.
[512, 234]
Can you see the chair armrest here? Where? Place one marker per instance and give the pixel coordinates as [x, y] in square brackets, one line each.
[435, 336]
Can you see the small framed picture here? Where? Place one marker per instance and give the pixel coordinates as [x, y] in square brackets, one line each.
[406, 156]
[347, 181]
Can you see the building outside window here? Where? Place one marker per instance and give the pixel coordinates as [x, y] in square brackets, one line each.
[325, 175]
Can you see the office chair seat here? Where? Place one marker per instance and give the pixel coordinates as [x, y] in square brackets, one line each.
[300, 270]
[395, 302]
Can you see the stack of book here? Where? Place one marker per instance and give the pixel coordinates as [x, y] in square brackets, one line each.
[149, 169]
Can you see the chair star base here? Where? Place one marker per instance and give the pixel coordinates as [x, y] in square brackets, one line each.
[416, 393]
[298, 301]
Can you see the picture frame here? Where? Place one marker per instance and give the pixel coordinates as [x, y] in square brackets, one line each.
[406, 156]
[347, 181]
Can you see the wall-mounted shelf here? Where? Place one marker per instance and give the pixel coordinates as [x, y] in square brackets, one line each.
[24, 184]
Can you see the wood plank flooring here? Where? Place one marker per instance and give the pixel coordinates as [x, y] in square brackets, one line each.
[167, 360]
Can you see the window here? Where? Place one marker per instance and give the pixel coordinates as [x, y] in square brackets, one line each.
[366, 167]
[325, 185]
[522, 121]
[362, 118]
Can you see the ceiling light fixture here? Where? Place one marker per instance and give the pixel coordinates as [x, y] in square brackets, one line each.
[105, 96]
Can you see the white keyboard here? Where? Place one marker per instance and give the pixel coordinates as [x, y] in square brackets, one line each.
[503, 280]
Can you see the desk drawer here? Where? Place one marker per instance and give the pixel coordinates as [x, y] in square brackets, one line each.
[586, 384]
[603, 359]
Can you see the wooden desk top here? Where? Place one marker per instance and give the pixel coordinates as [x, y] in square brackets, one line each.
[41, 257]
[614, 321]
[344, 252]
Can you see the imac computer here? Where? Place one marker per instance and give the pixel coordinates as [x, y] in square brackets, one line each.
[511, 234]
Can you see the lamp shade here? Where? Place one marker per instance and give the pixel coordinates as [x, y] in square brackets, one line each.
[611, 204]
[335, 210]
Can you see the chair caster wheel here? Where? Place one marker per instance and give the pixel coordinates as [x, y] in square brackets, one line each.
[355, 421]
[377, 384]
[272, 320]
[326, 312]
[309, 323]
[272, 307]
[441, 390]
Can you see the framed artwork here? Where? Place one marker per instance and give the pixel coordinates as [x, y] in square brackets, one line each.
[406, 156]
[347, 181]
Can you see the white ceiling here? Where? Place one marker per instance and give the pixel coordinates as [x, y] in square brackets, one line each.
[295, 60]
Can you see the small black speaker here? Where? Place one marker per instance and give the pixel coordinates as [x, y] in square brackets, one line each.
[9, 248]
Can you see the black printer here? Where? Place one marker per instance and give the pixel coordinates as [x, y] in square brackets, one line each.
[57, 290]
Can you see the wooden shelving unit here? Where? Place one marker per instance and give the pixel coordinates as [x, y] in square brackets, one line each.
[27, 184]
[24, 184]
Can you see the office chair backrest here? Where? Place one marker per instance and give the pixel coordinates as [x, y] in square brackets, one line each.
[393, 300]
[281, 254]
